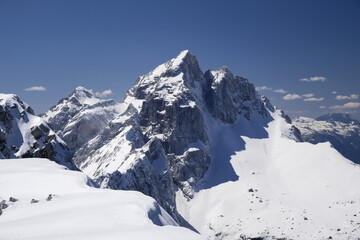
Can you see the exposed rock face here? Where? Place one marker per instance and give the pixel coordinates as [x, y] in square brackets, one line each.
[80, 117]
[24, 135]
[227, 96]
[122, 157]
[172, 110]
[339, 129]
[161, 142]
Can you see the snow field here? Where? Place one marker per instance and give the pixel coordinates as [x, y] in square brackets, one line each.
[76, 210]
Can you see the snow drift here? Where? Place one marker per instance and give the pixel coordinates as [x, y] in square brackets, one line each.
[50, 202]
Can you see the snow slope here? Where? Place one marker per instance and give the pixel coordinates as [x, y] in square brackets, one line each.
[285, 189]
[337, 128]
[76, 210]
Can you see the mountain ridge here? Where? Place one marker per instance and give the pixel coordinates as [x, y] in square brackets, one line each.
[215, 155]
[164, 132]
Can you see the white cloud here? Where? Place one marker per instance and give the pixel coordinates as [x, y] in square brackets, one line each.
[35, 88]
[308, 95]
[104, 93]
[313, 99]
[280, 91]
[322, 107]
[291, 96]
[351, 97]
[266, 88]
[349, 105]
[313, 79]
[263, 88]
[334, 92]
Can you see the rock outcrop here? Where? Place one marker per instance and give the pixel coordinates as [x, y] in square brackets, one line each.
[24, 135]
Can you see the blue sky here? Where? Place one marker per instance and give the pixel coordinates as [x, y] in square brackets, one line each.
[106, 45]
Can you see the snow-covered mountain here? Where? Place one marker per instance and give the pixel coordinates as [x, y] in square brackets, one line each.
[179, 121]
[40, 200]
[81, 116]
[339, 129]
[218, 156]
[24, 135]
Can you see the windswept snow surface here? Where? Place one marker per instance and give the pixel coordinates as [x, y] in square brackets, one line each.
[76, 210]
[285, 189]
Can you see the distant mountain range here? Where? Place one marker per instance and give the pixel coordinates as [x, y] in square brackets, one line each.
[217, 156]
[339, 129]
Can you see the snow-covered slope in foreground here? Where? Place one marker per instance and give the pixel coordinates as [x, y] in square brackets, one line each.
[75, 211]
[286, 189]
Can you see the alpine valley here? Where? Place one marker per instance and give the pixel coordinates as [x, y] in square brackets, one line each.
[214, 156]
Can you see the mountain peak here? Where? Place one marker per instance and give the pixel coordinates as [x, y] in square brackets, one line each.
[80, 116]
[82, 89]
[9, 99]
[81, 96]
[24, 135]
[184, 62]
[184, 57]
[224, 69]
[183, 54]
[170, 78]
[12, 100]
[221, 73]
